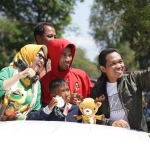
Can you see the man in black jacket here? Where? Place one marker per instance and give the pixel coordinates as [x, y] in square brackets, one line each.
[122, 106]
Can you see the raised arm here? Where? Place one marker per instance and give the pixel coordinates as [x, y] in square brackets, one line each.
[12, 80]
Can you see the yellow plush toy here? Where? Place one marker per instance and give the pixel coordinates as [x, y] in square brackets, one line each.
[88, 108]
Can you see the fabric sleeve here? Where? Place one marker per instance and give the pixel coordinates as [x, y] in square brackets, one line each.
[37, 115]
[38, 100]
[142, 78]
[105, 121]
[5, 73]
[47, 110]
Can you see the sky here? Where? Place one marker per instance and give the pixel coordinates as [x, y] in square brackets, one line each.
[84, 40]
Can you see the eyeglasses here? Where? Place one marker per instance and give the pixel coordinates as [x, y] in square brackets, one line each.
[40, 56]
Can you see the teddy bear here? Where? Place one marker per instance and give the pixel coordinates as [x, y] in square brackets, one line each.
[88, 108]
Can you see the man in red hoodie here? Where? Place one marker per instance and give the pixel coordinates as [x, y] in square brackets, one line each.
[62, 52]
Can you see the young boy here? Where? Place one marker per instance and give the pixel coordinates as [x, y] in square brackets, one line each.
[59, 108]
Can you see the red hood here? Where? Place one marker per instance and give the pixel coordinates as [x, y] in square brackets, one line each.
[77, 79]
[55, 49]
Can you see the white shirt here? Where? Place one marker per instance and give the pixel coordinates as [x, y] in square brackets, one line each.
[116, 110]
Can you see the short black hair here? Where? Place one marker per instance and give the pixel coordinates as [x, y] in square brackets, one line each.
[102, 56]
[40, 30]
[56, 83]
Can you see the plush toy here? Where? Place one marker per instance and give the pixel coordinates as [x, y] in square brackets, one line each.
[13, 101]
[88, 108]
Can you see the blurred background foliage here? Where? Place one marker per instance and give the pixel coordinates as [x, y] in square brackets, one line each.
[124, 25]
[82, 62]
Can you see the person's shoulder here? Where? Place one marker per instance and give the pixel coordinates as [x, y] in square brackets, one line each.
[78, 71]
[98, 85]
[45, 77]
[8, 69]
[131, 75]
[74, 107]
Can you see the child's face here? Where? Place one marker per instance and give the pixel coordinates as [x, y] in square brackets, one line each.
[64, 92]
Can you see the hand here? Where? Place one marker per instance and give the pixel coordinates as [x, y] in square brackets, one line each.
[48, 65]
[3, 118]
[8, 118]
[20, 115]
[28, 72]
[52, 103]
[75, 97]
[101, 98]
[121, 123]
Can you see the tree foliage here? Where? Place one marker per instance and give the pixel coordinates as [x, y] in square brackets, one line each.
[80, 61]
[118, 21]
[18, 18]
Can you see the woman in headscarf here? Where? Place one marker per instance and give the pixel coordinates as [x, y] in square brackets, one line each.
[20, 90]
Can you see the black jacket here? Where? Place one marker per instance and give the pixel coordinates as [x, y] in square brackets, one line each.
[130, 89]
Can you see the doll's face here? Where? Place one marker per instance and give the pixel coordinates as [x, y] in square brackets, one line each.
[88, 107]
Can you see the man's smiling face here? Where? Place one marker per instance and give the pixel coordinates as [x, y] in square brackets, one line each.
[65, 59]
[114, 67]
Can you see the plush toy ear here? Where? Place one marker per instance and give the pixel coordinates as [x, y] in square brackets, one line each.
[100, 99]
[98, 104]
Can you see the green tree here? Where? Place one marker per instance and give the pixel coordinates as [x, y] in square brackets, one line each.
[120, 21]
[18, 18]
[81, 62]
[9, 40]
